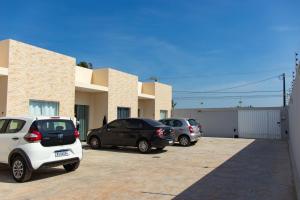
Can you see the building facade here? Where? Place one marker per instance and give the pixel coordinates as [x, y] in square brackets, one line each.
[35, 81]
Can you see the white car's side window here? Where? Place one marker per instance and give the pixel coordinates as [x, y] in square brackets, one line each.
[14, 126]
[2, 123]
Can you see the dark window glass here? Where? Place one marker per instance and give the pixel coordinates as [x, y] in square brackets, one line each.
[193, 122]
[152, 122]
[2, 124]
[116, 124]
[134, 123]
[176, 123]
[14, 126]
[165, 122]
[58, 125]
[123, 113]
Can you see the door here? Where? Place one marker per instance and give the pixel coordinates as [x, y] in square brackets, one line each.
[131, 133]
[112, 132]
[259, 124]
[82, 116]
[9, 136]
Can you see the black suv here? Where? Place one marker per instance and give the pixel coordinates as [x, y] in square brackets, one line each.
[141, 133]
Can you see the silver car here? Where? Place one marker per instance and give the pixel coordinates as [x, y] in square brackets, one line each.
[186, 131]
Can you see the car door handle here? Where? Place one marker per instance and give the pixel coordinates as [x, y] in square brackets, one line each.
[15, 138]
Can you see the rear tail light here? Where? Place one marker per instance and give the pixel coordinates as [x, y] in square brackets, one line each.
[159, 132]
[76, 133]
[191, 129]
[33, 136]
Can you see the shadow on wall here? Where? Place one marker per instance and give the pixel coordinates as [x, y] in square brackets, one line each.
[261, 171]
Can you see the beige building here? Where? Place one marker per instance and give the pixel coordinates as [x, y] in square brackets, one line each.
[35, 81]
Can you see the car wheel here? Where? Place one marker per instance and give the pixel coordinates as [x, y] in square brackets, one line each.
[144, 146]
[95, 143]
[71, 167]
[19, 169]
[184, 141]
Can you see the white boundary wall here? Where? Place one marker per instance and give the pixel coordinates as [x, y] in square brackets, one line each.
[294, 131]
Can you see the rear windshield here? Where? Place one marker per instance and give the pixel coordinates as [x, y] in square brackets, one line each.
[153, 122]
[193, 122]
[56, 125]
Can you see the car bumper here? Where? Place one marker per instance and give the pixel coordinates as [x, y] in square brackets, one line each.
[159, 143]
[195, 137]
[40, 156]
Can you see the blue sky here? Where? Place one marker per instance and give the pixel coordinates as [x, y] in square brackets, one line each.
[195, 45]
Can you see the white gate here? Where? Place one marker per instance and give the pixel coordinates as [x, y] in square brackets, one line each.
[259, 124]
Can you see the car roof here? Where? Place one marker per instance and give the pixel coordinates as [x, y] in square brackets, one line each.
[176, 119]
[32, 118]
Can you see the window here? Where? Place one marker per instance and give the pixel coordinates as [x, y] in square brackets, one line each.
[43, 108]
[46, 126]
[123, 113]
[116, 124]
[134, 123]
[193, 122]
[176, 123]
[163, 114]
[2, 124]
[15, 126]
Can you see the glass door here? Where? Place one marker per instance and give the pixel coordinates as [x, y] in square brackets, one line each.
[82, 116]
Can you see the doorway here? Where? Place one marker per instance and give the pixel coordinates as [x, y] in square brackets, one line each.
[82, 115]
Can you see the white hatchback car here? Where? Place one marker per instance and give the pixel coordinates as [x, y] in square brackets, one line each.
[29, 143]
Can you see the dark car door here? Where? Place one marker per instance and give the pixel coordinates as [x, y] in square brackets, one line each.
[112, 132]
[133, 131]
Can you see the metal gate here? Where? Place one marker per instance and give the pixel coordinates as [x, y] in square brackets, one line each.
[259, 124]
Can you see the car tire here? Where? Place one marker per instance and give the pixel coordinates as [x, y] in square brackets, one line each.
[72, 167]
[144, 146]
[95, 142]
[184, 141]
[20, 170]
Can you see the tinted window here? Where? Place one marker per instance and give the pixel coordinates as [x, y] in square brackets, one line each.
[193, 122]
[116, 124]
[165, 122]
[134, 123]
[2, 123]
[14, 126]
[176, 123]
[152, 122]
[55, 125]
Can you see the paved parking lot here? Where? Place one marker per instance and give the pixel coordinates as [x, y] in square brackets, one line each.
[214, 168]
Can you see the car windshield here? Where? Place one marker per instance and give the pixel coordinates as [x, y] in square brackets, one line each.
[193, 122]
[153, 122]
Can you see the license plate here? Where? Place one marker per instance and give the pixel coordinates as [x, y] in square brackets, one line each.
[171, 142]
[61, 153]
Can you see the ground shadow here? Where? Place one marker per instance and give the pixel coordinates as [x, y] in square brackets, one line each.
[261, 171]
[43, 173]
[132, 150]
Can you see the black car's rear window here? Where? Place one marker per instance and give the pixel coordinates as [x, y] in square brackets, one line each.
[153, 122]
[193, 122]
[56, 125]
